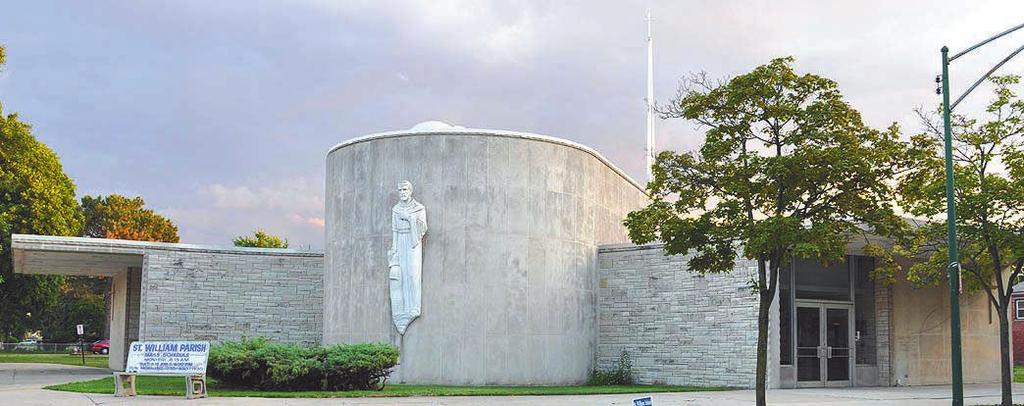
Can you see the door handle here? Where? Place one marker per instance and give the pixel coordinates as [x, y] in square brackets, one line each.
[829, 352]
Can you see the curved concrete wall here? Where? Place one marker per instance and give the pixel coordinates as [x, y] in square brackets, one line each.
[509, 262]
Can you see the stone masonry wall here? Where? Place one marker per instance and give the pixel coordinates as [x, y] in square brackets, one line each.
[226, 295]
[678, 327]
[883, 311]
[134, 303]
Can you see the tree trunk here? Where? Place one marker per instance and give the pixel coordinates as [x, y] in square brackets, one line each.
[1006, 365]
[763, 312]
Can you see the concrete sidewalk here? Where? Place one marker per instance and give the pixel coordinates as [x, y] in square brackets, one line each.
[28, 376]
[843, 397]
[20, 384]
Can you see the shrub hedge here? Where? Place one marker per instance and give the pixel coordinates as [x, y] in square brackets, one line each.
[620, 374]
[258, 363]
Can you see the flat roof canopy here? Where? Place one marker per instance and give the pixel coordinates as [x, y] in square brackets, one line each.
[36, 254]
[54, 255]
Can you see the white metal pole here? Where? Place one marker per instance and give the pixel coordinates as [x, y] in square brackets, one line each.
[650, 100]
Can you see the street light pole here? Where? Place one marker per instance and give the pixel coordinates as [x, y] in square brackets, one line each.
[957, 379]
[954, 260]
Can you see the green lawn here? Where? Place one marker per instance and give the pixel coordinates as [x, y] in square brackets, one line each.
[162, 385]
[98, 361]
[1018, 374]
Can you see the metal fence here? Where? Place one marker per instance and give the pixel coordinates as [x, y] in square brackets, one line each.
[43, 348]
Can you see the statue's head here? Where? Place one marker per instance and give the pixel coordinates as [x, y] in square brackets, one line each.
[404, 190]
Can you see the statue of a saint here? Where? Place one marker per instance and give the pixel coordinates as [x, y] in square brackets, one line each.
[405, 258]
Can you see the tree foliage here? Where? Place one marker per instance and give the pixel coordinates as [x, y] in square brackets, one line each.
[261, 239]
[117, 216]
[36, 197]
[787, 169]
[81, 301]
[988, 158]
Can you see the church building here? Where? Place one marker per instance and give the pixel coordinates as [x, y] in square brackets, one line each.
[500, 258]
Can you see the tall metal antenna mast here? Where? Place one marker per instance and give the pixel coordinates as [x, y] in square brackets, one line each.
[650, 99]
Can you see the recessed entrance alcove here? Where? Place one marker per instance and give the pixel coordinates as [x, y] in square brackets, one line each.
[827, 323]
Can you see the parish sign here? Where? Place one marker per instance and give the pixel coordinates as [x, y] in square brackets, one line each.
[174, 358]
[168, 358]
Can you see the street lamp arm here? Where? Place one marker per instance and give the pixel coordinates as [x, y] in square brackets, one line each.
[985, 76]
[990, 39]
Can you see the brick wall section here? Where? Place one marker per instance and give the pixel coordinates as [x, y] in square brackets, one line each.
[1018, 331]
[679, 327]
[222, 295]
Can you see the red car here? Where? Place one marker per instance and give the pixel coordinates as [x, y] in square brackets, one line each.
[100, 347]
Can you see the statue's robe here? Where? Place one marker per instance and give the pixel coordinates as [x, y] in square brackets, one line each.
[408, 226]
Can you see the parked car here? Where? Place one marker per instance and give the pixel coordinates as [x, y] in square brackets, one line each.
[29, 345]
[101, 347]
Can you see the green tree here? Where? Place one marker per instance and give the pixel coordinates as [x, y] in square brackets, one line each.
[79, 303]
[988, 163]
[787, 170]
[261, 239]
[117, 216]
[36, 197]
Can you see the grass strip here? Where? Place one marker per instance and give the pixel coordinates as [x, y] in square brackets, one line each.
[175, 386]
[96, 361]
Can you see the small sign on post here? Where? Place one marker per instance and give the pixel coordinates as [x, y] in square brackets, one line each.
[166, 358]
[80, 329]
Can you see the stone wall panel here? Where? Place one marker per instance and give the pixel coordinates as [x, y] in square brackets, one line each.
[678, 327]
[219, 296]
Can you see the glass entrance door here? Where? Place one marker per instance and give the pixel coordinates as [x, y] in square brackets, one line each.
[837, 341]
[808, 345]
[823, 350]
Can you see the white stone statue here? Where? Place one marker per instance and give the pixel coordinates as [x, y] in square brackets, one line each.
[405, 258]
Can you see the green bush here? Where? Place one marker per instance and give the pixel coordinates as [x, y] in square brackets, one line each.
[240, 363]
[358, 366]
[620, 374]
[260, 364]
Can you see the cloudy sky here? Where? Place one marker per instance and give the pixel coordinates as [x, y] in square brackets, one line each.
[220, 113]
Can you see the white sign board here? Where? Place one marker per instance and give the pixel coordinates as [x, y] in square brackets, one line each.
[167, 357]
[80, 329]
